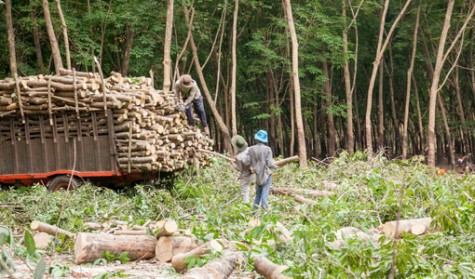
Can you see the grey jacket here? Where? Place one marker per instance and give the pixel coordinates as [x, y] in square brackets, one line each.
[262, 162]
[243, 164]
[190, 93]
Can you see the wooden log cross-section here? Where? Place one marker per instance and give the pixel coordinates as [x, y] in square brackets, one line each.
[269, 269]
[50, 229]
[169, 246]
[178, 261]
[412, 226]
[89, 247]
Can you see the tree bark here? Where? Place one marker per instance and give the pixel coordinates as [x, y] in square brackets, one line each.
[11, 37]
[434, 88]
[233, 70]
[327, 89]
[219, 268]
[296, 82]
[167, 61]
[50, 229]
[36, 39]
[380, 139]
[350, 137]
[178, 261]
[408, 86]
[58, 63]
[129, 42]
[89, 247]
[64, 27]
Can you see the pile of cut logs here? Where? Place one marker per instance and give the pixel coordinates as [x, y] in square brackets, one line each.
[149, 133]
[161, 240]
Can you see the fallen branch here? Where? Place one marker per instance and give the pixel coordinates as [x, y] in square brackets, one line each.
[178, 261]
[286, 161]
[50, 229]
[412, 226]
[269, 269]
[220, 268]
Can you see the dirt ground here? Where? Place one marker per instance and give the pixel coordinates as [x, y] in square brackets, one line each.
[150, 269]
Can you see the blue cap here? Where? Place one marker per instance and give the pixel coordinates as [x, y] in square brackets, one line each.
[261, 136]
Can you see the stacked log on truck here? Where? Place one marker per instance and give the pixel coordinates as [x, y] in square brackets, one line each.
[150, 134]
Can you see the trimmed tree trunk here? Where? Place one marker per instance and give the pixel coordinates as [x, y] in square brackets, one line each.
[11, 37]
[89, 247]
[211, 103]
[408, 87]
[58, 63]
[350, 137]
[233, 70]
[65, 34]
[129, 42]
[36, 40]
[220, 268]
[167, 61]
[434, 88]
[296, 82]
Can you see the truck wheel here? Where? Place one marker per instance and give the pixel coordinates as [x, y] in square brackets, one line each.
[62, 182]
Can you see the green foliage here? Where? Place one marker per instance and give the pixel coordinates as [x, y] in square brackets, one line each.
[122, 257]
[112, 274]
[57, 270]
[40, 269]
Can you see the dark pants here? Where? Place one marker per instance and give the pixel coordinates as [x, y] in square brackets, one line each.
[199, 109]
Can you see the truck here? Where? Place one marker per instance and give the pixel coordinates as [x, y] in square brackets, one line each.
[63, 129]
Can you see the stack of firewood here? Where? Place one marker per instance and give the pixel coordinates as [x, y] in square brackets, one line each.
[150, 134]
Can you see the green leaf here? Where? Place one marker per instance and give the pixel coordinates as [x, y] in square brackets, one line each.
[40, 270]
[30, 244]
[4, 235]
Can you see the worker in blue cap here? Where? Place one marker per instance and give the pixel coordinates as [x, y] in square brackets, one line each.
[262, 163]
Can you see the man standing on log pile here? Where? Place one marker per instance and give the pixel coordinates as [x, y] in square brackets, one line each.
[188, 92]
[262, 163]
[242, 165]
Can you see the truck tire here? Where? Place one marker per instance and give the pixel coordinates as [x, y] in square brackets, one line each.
[62, 182]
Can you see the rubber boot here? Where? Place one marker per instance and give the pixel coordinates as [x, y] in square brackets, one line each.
[206, 130]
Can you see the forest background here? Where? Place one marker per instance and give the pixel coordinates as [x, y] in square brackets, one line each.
[370, 74]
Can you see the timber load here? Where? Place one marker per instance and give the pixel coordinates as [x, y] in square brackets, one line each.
[149, 133]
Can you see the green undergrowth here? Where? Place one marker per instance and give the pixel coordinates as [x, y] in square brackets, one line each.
[368, 193]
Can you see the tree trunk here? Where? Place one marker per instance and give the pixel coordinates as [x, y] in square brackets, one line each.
[167, 67]
[408, 86]
[179, 260]
[434, 88]
[350, 140]
[269, 269]
[296, 81]
[419, 115]
[167, 247]
[380, 139]
[212, 105]
[379, 54]
[397, 145]
[292, 118]
[50, 229]
[89, 247]
[65, 34]
[327, 89]
[129, 42]
[447, 130]
[11, 37]
[58, 63]
[456, 85]
[36, 40]
[233, 70]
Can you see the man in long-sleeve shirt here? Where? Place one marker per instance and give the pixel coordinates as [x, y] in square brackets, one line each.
[242, 165]
[188, 91]
[262, 163]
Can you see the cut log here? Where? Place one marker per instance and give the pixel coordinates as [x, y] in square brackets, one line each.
[220, 268]
[269, 269]
[89, 247]
[93, 226]
[167, 227]
[413, 226]
[130, 232]
[285, 161]
[50, 229]
[42, 240]
[178, 261]
[306, 192]
[169, 246]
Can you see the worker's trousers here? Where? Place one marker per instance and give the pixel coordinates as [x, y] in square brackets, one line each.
[199, 109]
[262, 194]
[244, 181]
